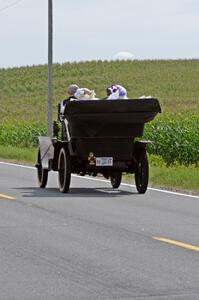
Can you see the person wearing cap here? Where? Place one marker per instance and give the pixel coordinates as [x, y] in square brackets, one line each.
[71, 90]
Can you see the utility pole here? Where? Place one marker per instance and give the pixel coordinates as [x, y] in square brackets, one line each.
[50, 61]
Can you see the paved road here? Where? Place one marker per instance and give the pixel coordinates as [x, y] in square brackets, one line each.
[95, 242]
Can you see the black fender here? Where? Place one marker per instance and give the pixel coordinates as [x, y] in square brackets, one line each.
[140, 148]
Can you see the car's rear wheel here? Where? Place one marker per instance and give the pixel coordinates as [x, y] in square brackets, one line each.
[64, 170]
[142, 173]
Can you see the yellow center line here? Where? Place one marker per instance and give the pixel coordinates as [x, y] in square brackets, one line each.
[7, 197]
[176, 243]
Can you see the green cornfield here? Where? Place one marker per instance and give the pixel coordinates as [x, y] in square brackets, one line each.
[175, 138]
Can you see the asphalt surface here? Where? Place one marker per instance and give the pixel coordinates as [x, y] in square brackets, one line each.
[95, 242]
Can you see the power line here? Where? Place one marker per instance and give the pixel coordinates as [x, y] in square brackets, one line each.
[10, 5]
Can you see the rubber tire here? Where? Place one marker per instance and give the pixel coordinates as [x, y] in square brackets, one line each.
[142, 173]
[64, 170]
[116, 178]
[42, 174]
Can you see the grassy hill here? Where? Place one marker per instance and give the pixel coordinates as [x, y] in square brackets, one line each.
[23, 91]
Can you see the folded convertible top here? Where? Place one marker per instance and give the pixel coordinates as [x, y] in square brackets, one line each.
[112, 106]
[110, 118]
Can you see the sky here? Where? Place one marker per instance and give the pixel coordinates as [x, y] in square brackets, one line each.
[98, 29]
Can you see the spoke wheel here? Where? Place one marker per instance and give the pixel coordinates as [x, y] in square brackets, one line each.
[142, 174]
[42, 174]
[64, 170]
[116, 178]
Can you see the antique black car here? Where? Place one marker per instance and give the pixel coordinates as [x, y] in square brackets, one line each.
[98, 137]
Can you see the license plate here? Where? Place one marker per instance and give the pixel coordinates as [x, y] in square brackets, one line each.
[104, 161]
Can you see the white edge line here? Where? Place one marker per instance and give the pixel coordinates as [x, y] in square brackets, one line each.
[103, 180]
[16, 165]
